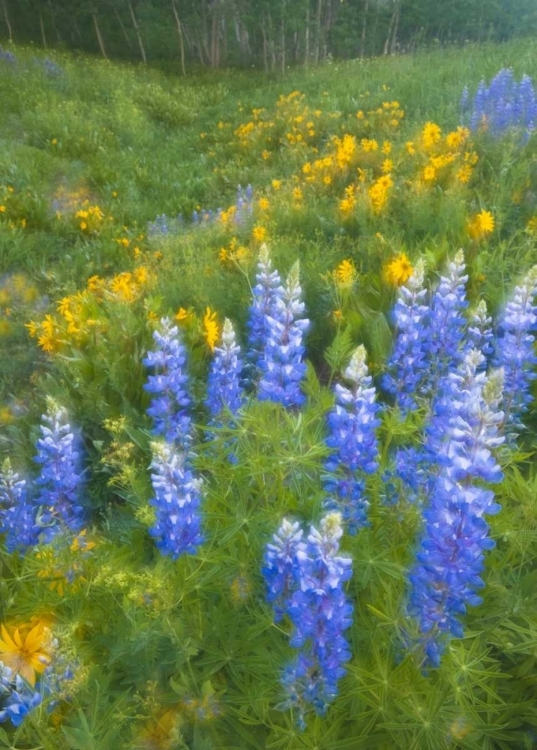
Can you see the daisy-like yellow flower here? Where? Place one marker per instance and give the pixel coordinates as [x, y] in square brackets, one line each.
[398, 270]
[387, 166]
[410, 148]
[25, 651]
[481, 225]
[276, 184]
[183, 315]
[431, 134]
[345, 274]
[263, 204]
[211, 328]
[532, 225]
[259, 233]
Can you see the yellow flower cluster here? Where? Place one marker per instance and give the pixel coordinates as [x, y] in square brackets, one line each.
[379, 192]
[386, 117]
[81, 314]
[480, 225]
[442, 160]
[234, 253]
[90, 218]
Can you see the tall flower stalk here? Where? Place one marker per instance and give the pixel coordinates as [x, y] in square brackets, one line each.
[450, 559]
[282, 365]
[17, 514]
[354, 444]
[60, 480]
[224, 392]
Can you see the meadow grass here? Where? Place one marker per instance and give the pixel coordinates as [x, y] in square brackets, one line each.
[186, 653]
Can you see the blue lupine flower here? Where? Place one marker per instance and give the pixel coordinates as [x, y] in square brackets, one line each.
[60, 479]
[480, 335]
[515, 348]
[447, 325]
[17, 697]
[354, 444]
[280, 568]
[169, 407]
[503, 106]
[320, 613]
[267, 290]
[17, 513]
[224, 393]
[450, 559]
[408, 362]
[177, 528]
[282, 365]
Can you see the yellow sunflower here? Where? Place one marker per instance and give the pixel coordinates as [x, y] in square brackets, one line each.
[398, 270]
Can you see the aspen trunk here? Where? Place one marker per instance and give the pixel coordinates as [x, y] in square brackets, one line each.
[42, 27]
[389, 37]
[180, 35]
[307, 39]
[137, 29]
[8, 23]
[123, 29]
[99, 36]
[364, 30]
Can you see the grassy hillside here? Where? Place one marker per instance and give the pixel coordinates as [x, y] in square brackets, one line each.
[128, 196]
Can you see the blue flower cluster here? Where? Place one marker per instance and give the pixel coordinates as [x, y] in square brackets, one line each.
[177, 499]
[7, 56]
[282, 364]
[224, 392]
[305, 581]
[354, 444]
[17, 514]
[515, 351]
[451, 555]
[502, 106]
[164, 226]
[17, 697]
[265, 293]
[408, 361]
[60, 479]
[176, 491]
[170, 404]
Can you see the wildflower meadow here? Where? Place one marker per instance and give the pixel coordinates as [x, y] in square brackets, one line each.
[268, 404]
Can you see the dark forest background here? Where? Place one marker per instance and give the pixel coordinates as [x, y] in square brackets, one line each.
[265, 33]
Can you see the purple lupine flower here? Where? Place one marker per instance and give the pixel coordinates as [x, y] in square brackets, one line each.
[17, 513]
[177, 498]
[280, 569]
[60, 479]
[354, 444]
[445, 334]
[169, 406]
[224, 393]
[267, 290]
[282, 365]
[320, 613]
[408, 362]
[515, 351]
[451, 555]
[17, 697]
[480, 335]
[503, 106]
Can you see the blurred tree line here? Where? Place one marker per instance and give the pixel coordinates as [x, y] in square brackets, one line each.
[268, 33]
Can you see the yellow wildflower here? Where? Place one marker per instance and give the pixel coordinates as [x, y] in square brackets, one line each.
[345, 274]
[398, 270]
[410, 148]
[25, 651]
[532, 225]
[387, 166]
[429, 173]
[430, 135]
[265, 154]
[276, 184]
[263, 204]
[2, 209]
[480, 225]
[211, 328]
[297, 194]
[183, 315]
[259, 233]
[464, 173]
[386, 148]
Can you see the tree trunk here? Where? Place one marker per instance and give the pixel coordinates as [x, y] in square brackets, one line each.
[123, 29]
[264, 35]
[53, 19]
[180, 35]
[393, 43]
[307, 39]
[99, 36]
[364, 30]
[42, 27]
[389, 36]
[282, 39]
[316, 54]
[137, 29]
[6, 18]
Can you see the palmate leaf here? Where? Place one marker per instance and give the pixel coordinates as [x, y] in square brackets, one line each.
[339, 350]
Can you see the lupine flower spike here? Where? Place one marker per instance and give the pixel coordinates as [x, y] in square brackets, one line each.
[17, 514]
[354, 445]
[267, 290]
[408, 362]
[450, 559]
[177, 497]
[515, 350]
[60, 479]
[224, 393]
[169, 406]
[283, 367]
